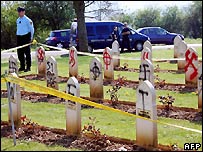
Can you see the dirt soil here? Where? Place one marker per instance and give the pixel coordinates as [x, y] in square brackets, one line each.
[53, 136]
[184, 113]
[157, 70]
[181, 88]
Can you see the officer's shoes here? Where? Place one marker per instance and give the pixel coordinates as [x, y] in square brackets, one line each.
[26, 70]
[21, 69]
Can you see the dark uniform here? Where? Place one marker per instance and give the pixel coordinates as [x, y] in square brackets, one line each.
[24, 33]
[125, 39]
[73, 33]
[115, 35]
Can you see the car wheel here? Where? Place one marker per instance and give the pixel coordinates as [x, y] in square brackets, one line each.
[59, 45]
[138, 46]
[90, 49]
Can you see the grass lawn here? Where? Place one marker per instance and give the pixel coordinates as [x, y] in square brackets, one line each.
[109, 123]
[193, 41]
[22, 145]
[112, 124]
[129, 94]
[62, 64]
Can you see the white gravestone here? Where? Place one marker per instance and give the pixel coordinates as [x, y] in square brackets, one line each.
[146, 70]
[73, 109]
[147, 44]
[108, 64]
[181, 54]
[176, 42]
[146, 131]
[191, 67]
[116, 54]
[200, 88]
[96, 79]
[13, 66]
[41, 61]
[15, 97]
[146, 54]
[73, 62]
[52, 73]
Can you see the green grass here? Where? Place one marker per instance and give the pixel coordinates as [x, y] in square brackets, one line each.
[129, 94]
[193, 41]
[22, 145]
[84, 61]
[110, 123]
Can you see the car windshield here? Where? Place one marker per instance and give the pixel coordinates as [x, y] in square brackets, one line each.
[133, 31]
[138, 30]
[52, 34]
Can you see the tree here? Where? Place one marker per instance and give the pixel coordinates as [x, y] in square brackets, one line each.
[79, 7]
[141, 18]
[147, 17]
[103, 9]
[49, 15]
[193, 20]
[53, 14]
[9, 16]
[172, 20]
[121, 17]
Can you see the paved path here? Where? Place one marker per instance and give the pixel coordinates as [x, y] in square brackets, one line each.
[48, 53]
[5, 56]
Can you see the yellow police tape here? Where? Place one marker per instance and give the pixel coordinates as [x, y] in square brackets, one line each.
[61, 49]
[51, 91]
[15, 48]
[114, 57]
[19, 47]
[3, 80]
[85, 53]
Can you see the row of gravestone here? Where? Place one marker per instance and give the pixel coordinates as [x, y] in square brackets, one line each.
[145, 92]
[146, 131]
[111, 59]
[190, 63]
[193, 71]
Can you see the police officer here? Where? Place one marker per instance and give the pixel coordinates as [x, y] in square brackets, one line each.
[125, 34]
[73, 32]
[115, 34]
[25, 32]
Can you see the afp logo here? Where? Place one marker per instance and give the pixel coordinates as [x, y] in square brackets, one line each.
[192, 146]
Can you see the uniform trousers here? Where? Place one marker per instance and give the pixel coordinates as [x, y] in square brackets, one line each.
[24, 53]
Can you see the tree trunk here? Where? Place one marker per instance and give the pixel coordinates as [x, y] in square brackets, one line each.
[79, 7]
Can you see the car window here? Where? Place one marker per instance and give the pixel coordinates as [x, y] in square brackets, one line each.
[160, 31]
[63, 34]
[67, 33]
[90, 30]
[102, 30]
[145, 31]
[119, 28]
[151, 31]
[112, 27]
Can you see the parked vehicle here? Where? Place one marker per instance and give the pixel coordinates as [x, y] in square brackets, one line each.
[59, 38]
[159, 35]
[99, 35]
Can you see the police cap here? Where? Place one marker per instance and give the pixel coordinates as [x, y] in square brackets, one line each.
[19, 9]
